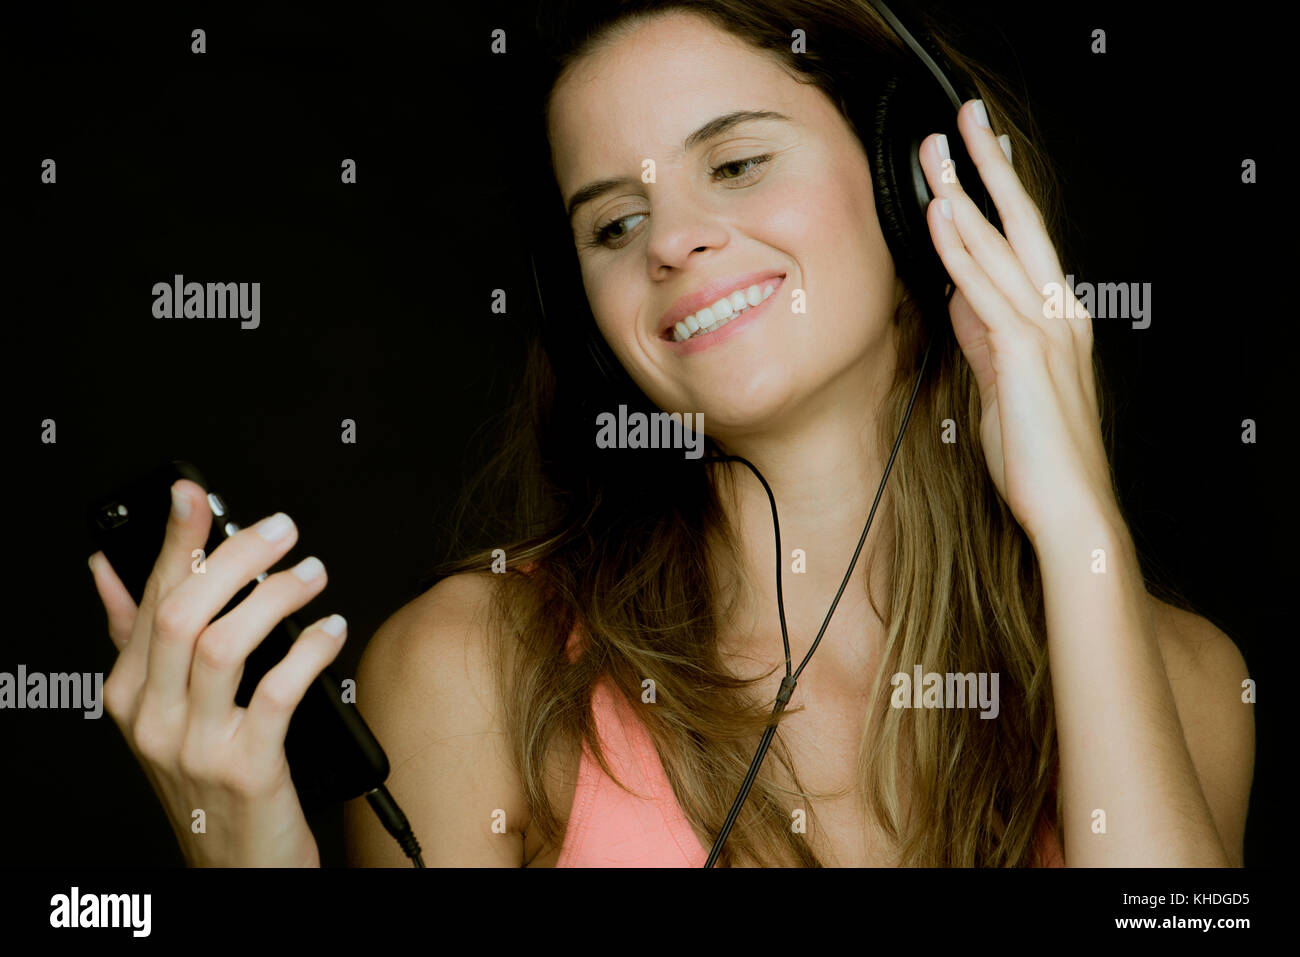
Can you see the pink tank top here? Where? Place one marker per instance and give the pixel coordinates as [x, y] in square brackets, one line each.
[608, 827]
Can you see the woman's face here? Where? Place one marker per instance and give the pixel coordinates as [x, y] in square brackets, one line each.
[694, 217]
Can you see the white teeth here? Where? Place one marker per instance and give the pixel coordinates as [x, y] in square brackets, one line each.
[721, 312]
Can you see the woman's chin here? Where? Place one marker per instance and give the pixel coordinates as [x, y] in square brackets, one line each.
[727, 417]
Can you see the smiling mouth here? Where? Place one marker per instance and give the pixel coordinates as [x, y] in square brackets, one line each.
[712, 318]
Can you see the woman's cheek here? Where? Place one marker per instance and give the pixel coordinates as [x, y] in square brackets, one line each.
[790, 216]
[605, 303]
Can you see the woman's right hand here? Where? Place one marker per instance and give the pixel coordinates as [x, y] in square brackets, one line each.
[172, 689]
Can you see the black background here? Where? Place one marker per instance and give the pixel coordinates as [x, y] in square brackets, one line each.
[376, 307]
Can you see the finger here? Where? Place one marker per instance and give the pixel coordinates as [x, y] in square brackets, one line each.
[987, 300]
[117, 601]
[1071, 331]
[186, 610]
[1022, 221]
[1080, 323]
[1028, 237]
[224, 647]
[1013, 343]
[188, 525]
[283, 687]
[986, 245]
[972, 338]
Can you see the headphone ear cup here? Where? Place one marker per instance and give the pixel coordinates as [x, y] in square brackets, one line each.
[889, 200]
[906, 112]
[901, 190]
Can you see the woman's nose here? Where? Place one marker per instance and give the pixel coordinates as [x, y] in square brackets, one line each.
[680, 229]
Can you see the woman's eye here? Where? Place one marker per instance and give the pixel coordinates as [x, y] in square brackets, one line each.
[745, 167]
[619, 229]
[603, 235]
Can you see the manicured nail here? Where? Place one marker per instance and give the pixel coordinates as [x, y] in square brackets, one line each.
[981, 114]
[91, 562]
[945, 207]
[276, 527]
[334, 625]
[180, 504]
[309, 569]
[1005, 142]
[943, 146]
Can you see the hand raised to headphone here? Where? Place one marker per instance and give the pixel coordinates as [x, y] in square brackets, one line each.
[1040, 424]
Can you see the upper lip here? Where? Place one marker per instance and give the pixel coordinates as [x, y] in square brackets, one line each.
[711, 292]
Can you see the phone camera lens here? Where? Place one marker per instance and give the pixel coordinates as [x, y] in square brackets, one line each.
[111, 516]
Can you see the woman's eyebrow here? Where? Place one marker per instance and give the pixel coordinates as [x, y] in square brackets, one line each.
[715, 127]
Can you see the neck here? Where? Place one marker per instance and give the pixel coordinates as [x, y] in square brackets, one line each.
[824, 466]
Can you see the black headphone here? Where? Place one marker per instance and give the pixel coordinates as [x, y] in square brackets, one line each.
[910, 107]
[908, 110]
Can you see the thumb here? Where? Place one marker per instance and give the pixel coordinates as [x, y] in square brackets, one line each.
[972, 337]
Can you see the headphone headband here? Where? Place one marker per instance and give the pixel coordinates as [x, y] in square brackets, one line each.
[919, 50]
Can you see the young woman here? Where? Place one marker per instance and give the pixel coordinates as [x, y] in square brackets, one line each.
[592, 688]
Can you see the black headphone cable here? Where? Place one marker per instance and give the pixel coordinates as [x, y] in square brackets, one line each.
[791, 679]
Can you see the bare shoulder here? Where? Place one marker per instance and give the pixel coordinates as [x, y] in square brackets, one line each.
[427, 687]
[1208, 677]
[1192, 641]
[1205, 667]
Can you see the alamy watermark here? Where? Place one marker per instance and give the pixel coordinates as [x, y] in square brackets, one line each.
[179, 299]
[1105, 300]
[658, 430]
[947, 690]
[37, 690]
[75, 909]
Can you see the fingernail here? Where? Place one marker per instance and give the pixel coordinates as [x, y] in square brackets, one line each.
[309, 569]
[945, 207]
[180, 504]
[981, 114]
[1005, 142]
[334, 625]
[91, 563]
[276, 527]
[943, 146]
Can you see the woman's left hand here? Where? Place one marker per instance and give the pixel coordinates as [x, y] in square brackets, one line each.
[1040, 426]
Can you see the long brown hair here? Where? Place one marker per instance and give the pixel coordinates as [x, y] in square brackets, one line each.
[632, 569]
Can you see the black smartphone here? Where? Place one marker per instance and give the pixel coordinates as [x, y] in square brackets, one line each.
[333, 756]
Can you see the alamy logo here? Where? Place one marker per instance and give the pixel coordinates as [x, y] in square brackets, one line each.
[658, 430]
[1106, 300]
[102, 910]
[948, 690]
[179, 299]
[37, 690]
